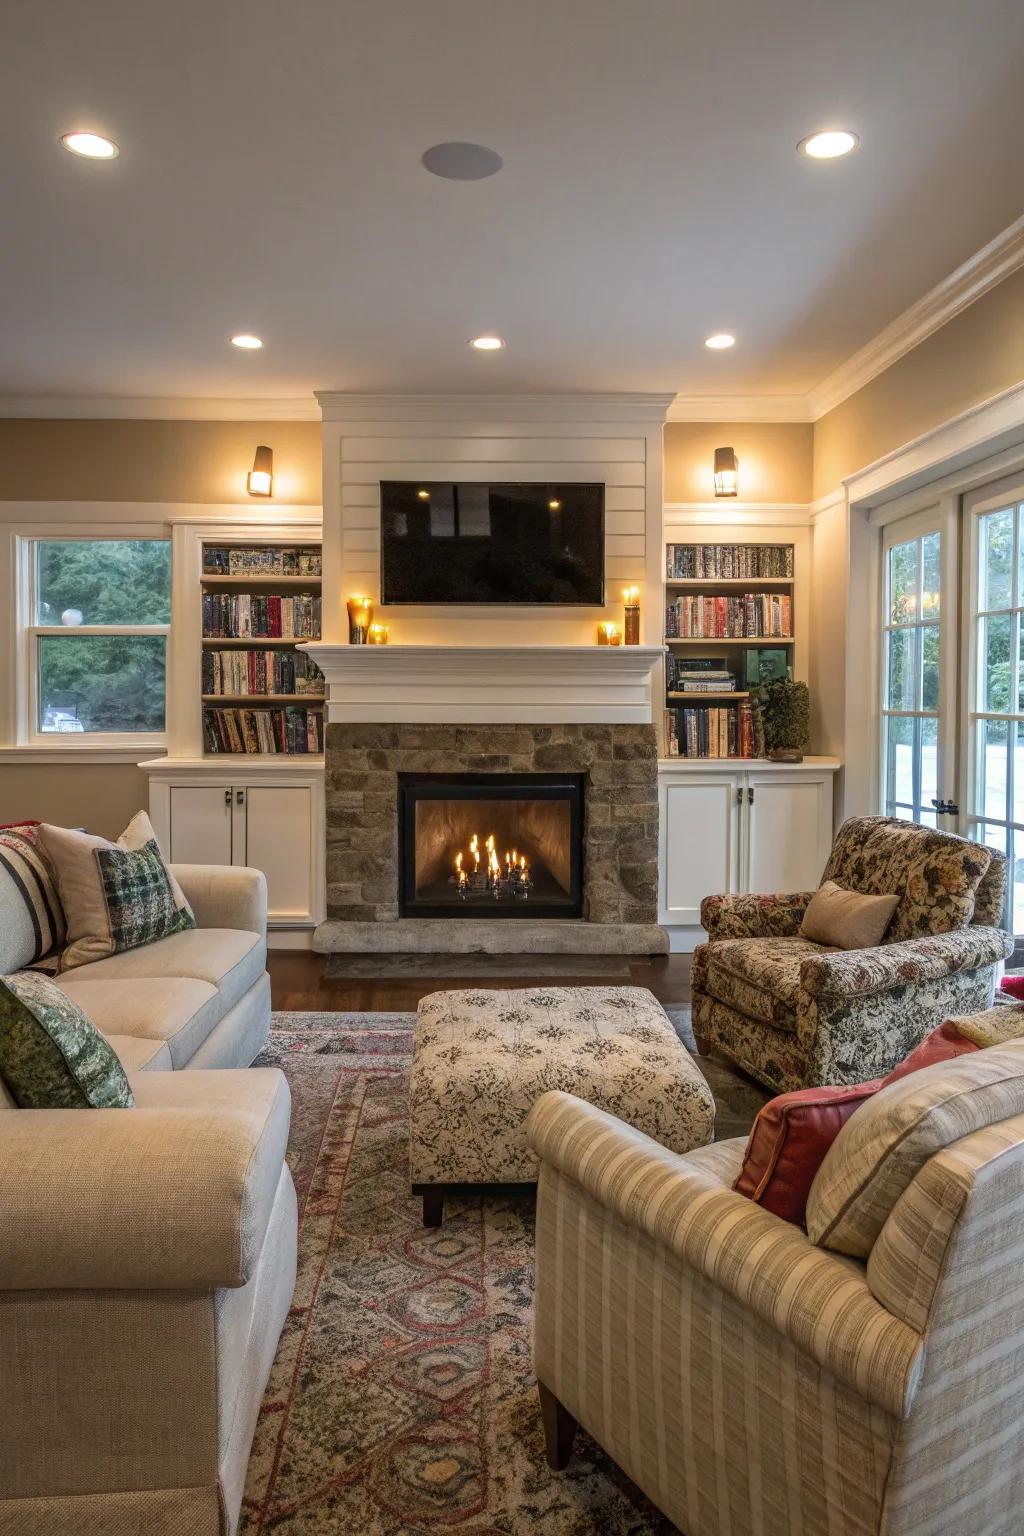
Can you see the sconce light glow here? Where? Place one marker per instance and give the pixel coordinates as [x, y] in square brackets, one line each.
[423, 495]
[830, 145]
[260, 479]
[487, 343]
[91, 146]
[246, 343]
[554, 505]
[720, 341]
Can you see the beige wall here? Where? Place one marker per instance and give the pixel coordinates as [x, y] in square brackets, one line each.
[197, 461]
[975, 356]
[775, 459]
[102, 797]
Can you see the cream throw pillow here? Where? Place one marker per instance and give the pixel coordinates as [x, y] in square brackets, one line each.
[887, 1141]
[846, 919]
[90, 935]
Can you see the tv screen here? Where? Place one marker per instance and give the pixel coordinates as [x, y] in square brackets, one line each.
[443, 542]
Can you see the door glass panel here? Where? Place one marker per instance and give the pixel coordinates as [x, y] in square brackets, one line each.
[1018, 771]
[995, 662]
[903, 569]
[991, 771]
[932, 576]
[902, 669]
[929, 761]
[996, 560]
[930, 667]
[899, 774]
[911, 682]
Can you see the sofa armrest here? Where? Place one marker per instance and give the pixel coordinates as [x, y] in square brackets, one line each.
[173, 1197]
[817, 1299]
[754, 917]
[222, 896]
[857, 973]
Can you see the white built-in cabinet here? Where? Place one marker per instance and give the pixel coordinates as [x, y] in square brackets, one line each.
[730, 826]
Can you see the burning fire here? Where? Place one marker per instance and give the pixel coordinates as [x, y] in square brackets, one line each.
[499, 878]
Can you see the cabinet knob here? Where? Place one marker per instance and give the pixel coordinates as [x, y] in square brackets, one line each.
[750, 796]
[227, 797]
[239, 796]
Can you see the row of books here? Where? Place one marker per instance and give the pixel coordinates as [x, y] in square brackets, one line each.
[246, 615]
[265, 671]
[294, 730]
[685, 679]
[754, 616]
[727, 561]
[706, 731]
[224, 561]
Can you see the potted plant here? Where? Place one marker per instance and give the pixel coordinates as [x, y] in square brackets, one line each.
[786, 711]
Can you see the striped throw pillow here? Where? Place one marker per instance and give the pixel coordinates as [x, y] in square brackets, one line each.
[31, 916]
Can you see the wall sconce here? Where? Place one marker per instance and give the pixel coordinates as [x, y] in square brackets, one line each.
[260, 479]
[727, 472]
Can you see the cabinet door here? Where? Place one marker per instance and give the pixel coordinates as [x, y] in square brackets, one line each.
[200, 824]
[279, 840]
[699, 843]
[788, 831]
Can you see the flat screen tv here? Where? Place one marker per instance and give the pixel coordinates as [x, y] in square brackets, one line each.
[468, 542]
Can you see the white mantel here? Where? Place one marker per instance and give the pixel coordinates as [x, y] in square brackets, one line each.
[483, 684]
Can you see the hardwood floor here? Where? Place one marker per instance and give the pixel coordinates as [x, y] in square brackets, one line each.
[298, 983]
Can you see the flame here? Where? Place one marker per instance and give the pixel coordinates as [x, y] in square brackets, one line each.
[492, 863]
[458, 861]
[522, 863]
[474, 848]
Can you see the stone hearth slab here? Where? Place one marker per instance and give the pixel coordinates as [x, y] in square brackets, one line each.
[514, 936]
[489, 968]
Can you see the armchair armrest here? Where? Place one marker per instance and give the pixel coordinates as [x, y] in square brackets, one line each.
[817, 1299]
[171, 1197]
[857, 973]
[754, 917]
[223, 896]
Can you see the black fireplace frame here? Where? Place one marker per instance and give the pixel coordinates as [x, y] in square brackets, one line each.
[481, 787]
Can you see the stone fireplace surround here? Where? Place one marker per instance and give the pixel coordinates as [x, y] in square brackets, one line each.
[620, 834]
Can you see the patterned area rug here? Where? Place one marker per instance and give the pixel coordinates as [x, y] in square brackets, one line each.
[402, 1398]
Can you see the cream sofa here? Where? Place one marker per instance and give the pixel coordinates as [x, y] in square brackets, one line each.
[147, 1256]
[751, 1382]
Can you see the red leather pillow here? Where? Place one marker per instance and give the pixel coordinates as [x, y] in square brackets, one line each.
[792, 1133]
[1013, 986]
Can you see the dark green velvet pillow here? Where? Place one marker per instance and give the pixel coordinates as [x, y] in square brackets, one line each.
[51, 1055]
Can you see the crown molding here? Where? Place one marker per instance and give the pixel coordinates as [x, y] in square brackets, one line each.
[764, 514]
[975, 277]
[164, 408]
[635, 406]
[730, 408]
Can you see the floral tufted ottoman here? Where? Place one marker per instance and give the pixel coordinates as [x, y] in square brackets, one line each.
[482, 1058]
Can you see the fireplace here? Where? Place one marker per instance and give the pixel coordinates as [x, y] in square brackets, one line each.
[490, 845]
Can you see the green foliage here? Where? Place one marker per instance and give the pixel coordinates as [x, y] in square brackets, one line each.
[786, 709]
[110, 581]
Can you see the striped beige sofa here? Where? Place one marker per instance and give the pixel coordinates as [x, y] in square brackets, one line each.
[751, 1381]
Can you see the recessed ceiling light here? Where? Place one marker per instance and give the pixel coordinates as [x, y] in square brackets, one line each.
[830, 145]
[487, 343]
[720, 341]
[247, 343]
[457, 161]
[91, 145]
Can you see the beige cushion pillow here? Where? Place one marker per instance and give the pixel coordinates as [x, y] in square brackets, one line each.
[846, 919]
[886, 1142]
[91, 932]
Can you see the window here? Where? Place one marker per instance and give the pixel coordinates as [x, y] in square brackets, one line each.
[910, 683]
[99, 615]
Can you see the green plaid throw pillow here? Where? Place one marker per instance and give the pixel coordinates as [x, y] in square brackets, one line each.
[140, 902]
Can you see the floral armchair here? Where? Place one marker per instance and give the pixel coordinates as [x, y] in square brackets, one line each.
[796, 1014]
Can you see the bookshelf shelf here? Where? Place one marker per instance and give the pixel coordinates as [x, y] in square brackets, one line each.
[710, 584]
[250, 640]
[255, 700]
[727, 697]
[752, 642]
[208, 579]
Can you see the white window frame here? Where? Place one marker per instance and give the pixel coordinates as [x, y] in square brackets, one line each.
[138, 743]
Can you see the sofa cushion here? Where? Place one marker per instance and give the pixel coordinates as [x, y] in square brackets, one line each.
[882, 1147]
[115, 897]
[935, 874]
[51, 1056]
[847, 919]
[759, 978]
[31, 916]
[138, 1055]
[229, 959]
[178, 1010]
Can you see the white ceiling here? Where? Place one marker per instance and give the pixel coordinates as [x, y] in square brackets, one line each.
[269, 180]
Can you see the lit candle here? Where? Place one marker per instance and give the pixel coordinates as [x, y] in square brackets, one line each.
[377, 634]
[360, 612]
[608, 634]
[631, 601]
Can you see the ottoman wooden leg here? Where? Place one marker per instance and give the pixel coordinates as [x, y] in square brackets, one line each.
[559, 1429]
[433, 1207]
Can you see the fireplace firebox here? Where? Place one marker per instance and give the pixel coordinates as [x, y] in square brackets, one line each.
[490, 845]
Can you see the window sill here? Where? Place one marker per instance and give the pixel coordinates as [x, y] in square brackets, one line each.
[90, 752]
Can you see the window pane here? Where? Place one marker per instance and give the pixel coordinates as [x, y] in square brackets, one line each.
[929, 762]
[101, 682]
[995, 560]
[995, 663]
[899, 761]
[1018, 771]
[932, 575]
[1003, 839]
[903, 582]
[902, 688]
[106, 581]
[990, 789]
[928, 819]
[930, 666]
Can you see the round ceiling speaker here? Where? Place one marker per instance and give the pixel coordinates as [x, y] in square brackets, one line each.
[462, 162]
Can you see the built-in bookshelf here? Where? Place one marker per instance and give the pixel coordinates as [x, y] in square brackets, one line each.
[260, 694]
[729, 628]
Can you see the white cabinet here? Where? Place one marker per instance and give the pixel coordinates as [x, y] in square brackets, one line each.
[269, 819]
[727, 829]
